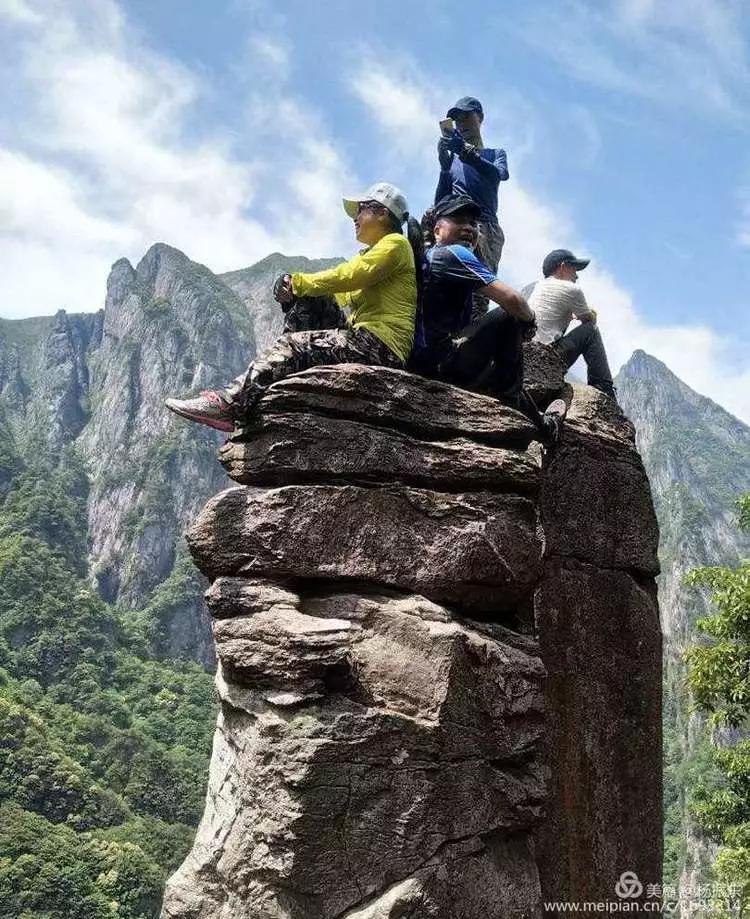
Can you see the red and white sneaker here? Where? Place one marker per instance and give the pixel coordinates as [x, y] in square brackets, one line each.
[210, 408]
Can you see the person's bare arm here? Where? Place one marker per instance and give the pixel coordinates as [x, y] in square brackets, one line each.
[510, 300]
[581, 310]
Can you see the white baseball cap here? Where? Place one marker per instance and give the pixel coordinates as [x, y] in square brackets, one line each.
[384, 193]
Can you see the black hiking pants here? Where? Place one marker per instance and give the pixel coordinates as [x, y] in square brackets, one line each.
[488, 359]
[586, 340]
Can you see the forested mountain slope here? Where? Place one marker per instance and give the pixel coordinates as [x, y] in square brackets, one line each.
[106, 714]
[96, 382]
[697, 457]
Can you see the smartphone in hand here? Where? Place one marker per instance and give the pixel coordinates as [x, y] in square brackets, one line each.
[447, 127]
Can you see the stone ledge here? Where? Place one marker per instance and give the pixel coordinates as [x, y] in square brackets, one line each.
[423, 408]
[479, 552]
[396, 653]
[305, 448]
[596, 505]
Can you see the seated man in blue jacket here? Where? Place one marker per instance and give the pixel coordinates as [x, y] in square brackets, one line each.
[469, 168]
[446, 348]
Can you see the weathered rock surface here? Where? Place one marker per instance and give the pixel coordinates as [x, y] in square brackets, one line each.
[543, 373]
[305, 447]
[697, 456]
[385, 740]
[382, 749]
[598, 624]
[478, 551]
[424, 408]
[44, 378]
[601, 644]
[596, 494]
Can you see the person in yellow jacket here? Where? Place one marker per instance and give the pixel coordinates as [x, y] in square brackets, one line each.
[378, 289]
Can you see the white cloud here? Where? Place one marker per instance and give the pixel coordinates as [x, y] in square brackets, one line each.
[45, 198]
[106, 164]
[675, 52]
[18, 11]
[270, 53]
[309, 217]
[588, 135]
[695, 353]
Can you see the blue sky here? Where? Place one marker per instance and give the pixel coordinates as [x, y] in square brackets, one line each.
[229, 129]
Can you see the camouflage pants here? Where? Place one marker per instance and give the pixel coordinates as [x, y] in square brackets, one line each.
[298, 351]
[488, 250]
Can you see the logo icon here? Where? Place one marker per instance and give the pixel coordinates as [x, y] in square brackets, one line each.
[628, 886]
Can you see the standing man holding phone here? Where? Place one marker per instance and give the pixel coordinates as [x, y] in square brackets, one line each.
[469, 168]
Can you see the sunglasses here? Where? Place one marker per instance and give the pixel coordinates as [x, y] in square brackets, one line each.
[373, 206]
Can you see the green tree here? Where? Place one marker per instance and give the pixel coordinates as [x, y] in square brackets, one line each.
[103, 750]
[719, 676]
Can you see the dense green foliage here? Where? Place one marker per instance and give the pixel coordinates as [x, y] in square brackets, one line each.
[103, 749]
[719, 676]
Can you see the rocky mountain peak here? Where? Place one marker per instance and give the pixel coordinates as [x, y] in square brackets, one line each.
[98, 381]
[641, 364]
[697, 456]
[161, 258]
[171, 326]
[121, 279]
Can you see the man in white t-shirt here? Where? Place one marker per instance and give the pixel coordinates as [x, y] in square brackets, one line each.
[556, 300]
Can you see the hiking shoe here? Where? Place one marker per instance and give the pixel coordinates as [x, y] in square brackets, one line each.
[210, 408]
[607, 388]
[552, 419]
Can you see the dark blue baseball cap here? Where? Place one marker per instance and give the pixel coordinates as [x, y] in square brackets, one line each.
[454, 204]
[466, 104]
[559, 257]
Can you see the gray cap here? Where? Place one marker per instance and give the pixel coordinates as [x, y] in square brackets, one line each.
[466, 104]
[384, 193]
[558, 257]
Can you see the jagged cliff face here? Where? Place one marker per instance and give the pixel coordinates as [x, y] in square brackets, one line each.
[44, 378]
[98, 381]
[393, 577]
[169, 326]
[698, 459]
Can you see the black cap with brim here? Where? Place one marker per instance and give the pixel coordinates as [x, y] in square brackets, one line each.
[562, 256]
[454, 204]
[465, 104]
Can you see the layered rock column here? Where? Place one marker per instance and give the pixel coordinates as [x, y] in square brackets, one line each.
[377, 752]
[598, 625]
[387, 745]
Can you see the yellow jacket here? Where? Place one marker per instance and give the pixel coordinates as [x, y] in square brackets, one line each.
[380, 288]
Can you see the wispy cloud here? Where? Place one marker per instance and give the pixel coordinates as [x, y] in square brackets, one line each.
[18, 11]
[106, 164]
[673, 52]
[270, 53]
